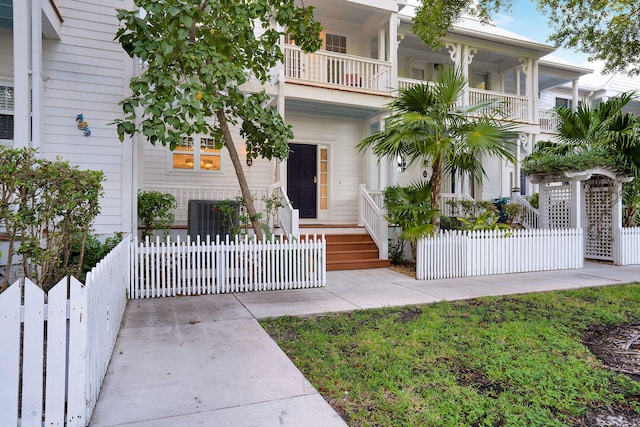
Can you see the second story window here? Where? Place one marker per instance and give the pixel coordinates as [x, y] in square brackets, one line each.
[336, 43]
[196, 154]
[481, 81]
[6, 112]
[566, 102]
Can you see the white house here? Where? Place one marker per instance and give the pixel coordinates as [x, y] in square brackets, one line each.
[61, 54]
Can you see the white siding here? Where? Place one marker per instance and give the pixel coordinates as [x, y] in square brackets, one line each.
[158, 170]
[347, 169]
[86, 72]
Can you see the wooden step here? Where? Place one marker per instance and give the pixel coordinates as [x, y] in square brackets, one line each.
[352, 251]
[358, 264]
[351, 246]
[352, 255]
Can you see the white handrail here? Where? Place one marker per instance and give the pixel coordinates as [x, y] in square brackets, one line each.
[288, 216]
[372, 217]
[530, 215]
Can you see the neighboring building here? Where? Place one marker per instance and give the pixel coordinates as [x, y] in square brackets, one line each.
[63, 55]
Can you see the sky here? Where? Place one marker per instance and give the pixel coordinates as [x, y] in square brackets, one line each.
[526, 20]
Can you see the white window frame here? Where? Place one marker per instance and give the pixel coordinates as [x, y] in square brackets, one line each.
[8, 112]
[197, 152]
[569, 102]
[336, 34]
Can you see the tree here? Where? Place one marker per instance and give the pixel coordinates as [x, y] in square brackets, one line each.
[197, 55]
[606, 30]
[427, 124]
[590, 137]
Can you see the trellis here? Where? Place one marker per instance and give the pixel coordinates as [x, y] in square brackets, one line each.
[600, 198]
[591, 200]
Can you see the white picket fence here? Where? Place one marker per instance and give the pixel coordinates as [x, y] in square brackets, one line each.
[629, 246]
[163, 268]
[53, 378]
[476, 253]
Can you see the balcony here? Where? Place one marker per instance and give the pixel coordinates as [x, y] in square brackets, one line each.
[328, 69]
[513, 107]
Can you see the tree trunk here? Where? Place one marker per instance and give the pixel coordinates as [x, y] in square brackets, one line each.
[436, 188]
[242, 180]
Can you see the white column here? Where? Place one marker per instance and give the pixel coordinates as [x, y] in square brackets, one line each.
[577, 202]
[382, 44]
[535, 90]
[574, 93]
[21, 78]
[462, 56]
[37, 88]
[530, 70]
[393, 48]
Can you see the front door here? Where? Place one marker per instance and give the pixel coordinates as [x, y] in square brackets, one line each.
[302, 179]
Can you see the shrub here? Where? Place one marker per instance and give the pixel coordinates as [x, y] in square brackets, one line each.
[410, 208]
[46, 206]
[155, 210]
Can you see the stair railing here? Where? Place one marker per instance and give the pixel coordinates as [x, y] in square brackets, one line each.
[288, 216]
[372, 218]
[530, 215]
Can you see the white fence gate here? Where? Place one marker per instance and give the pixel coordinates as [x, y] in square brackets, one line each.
[55, 351]
[168, 268]
[476, 253]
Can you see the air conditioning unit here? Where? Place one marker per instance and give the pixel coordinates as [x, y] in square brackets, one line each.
[212, 218]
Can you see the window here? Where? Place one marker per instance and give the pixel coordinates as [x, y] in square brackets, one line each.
[481, 81]
[206, 157]
[418, 74]
[564, 102]
[6, 112]
[336, 43]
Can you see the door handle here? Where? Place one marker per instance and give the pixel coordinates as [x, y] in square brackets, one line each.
[315, 179]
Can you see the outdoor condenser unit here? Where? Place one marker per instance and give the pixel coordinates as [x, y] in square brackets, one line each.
[205, 218]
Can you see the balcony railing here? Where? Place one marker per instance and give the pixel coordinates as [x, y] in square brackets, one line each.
[548, 121]
[514, 107]
[328, 68]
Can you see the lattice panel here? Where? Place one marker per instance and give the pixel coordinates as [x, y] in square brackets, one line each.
[598, 203]
[559, 205]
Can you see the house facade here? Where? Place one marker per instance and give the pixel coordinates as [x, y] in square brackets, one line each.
[62, 55]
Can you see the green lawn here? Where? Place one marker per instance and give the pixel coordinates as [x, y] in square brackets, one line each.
[508, 361]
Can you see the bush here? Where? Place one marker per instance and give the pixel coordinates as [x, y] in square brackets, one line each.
[155, 210]
[46, 206]
[94, 251]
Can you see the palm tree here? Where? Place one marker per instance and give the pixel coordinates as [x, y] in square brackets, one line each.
[606, 127]
[428, 124]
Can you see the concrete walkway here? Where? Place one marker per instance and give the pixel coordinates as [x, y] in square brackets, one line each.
[205, 361]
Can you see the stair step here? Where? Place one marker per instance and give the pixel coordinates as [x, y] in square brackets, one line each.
[351, 246]
[367, 254]
[352, 237]
[357, 264]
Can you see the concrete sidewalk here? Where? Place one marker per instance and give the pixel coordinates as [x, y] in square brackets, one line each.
[205, 361]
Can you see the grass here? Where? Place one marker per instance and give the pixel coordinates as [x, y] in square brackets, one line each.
[508, 361]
